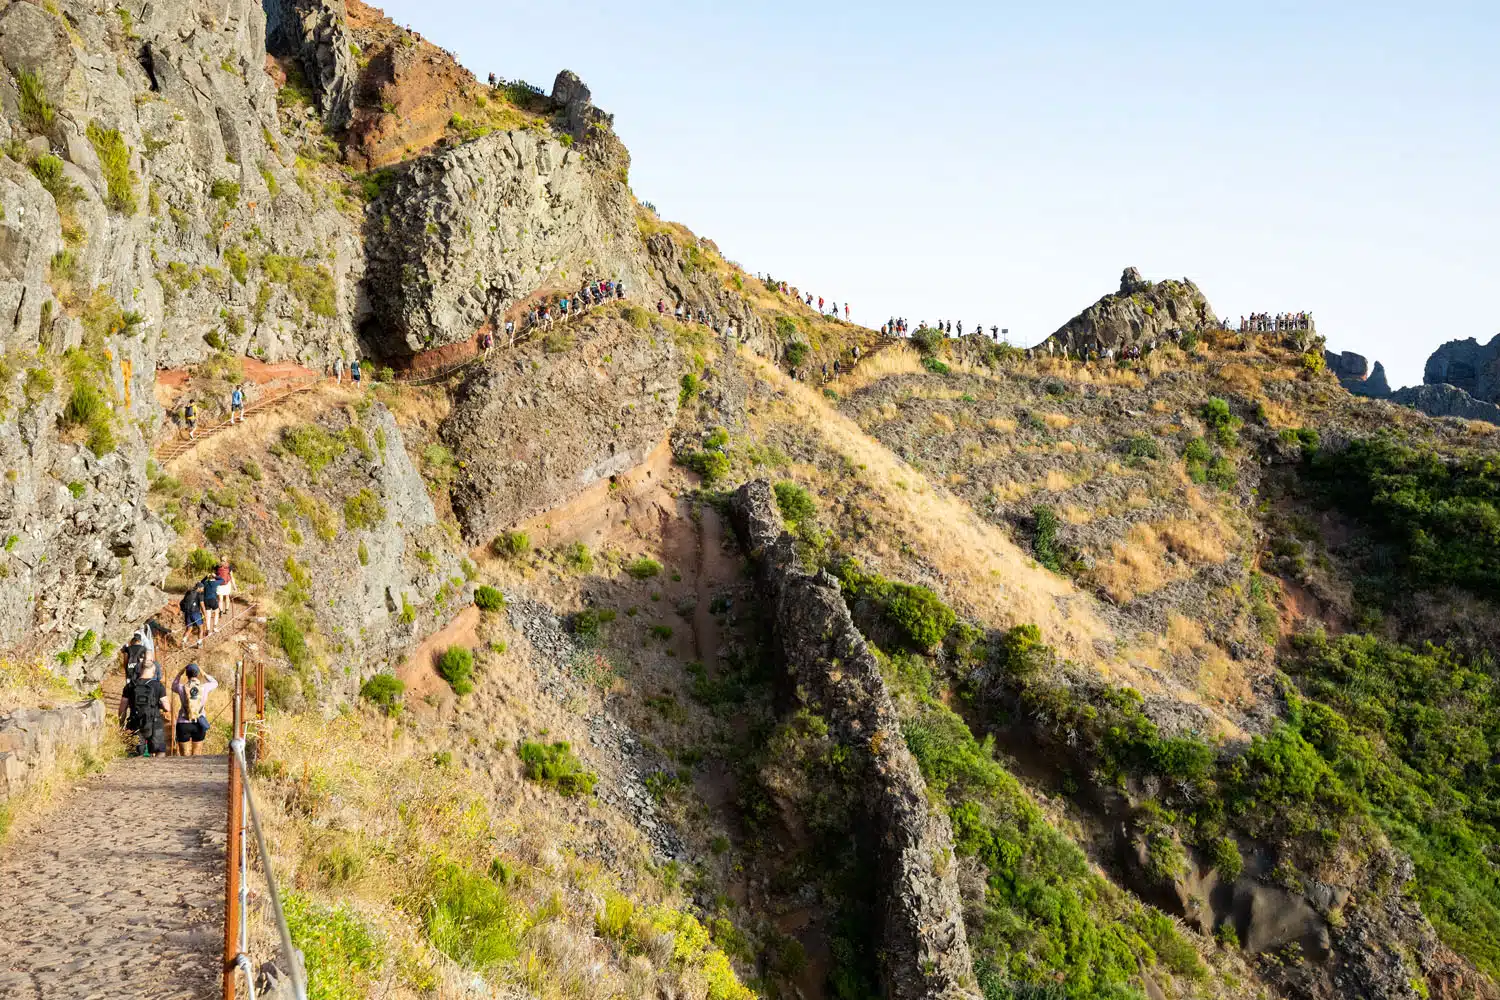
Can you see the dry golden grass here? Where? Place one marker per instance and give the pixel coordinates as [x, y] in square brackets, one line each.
[1138, 564]
[29, 684]
[1159, 406]
[1001, 425]
[897, 359]
[1057, 421]
[1008, 491]
[987, 575]
[942, 423]
[1280, 416]
[27, 809]
[1241, 378]
[1057, 481]
[1217, 676]
[1074, 514]
[1480, 428]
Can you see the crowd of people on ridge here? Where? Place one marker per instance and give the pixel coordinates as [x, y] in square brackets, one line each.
[1278, 323]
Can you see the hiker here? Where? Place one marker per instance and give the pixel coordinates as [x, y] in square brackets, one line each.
[225, 576]
[210, 588]
[237, 405]
[190, 417]
[136, 654]
[192, 687]
[354, 372]
[141, 706]
[846, 312]
[338, 370]
[510, 331]
[620, 290]
[192, 613]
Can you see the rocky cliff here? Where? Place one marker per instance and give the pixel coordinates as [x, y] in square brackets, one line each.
[924, 949]
[32, 740]
[1468, 365]
[1139, 314]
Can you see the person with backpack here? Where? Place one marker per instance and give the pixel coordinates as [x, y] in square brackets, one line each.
[141, 706]
[210, 590]
[225, 576]
[338, 370]
[190, 417]
[192, 613]
[135, 654]
[354, 372]
[237, 405]
[192, 687]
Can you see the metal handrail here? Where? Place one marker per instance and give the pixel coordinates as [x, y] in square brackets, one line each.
[242, 801]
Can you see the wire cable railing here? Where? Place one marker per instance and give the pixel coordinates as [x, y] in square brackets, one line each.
[237, 855]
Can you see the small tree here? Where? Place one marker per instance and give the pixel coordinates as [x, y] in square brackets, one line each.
[456, 666]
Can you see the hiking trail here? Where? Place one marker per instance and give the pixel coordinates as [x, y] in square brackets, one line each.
[130, 903]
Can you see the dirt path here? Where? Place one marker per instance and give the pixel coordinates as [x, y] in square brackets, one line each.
[79, 917]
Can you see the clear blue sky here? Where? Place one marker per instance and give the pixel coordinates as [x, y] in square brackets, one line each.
[1003, 163]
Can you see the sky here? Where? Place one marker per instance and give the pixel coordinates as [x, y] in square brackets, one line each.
[1002, 163]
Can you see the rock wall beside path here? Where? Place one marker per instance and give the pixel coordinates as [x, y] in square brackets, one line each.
[32, 739]
[924, 949]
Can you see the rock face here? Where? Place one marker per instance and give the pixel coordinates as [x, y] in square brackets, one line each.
[1137, 315]
[316, 34]
[535, 428]
[1446, 401]
[1469, 365]
[924, 949]
[32, 739]
[462, 237]
[1353, 372]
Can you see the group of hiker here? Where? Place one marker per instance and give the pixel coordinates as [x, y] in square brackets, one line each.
[686, 314]
[205, 603]
[830, 309]
[236, 411]
[550, 310]
[1278, 323]
[899, 327]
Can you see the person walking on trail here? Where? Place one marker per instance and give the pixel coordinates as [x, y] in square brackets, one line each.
[354, 372]
[846, 312]
[141, 706]
[134, 655]
[192, 687]
[225, 576]
[510, 331]
[338, 370]
[237, 405]
[210, 588]
[192, 613]
[190, 417]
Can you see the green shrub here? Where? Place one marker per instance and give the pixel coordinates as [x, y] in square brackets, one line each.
[1224, 854]
[364, 510]
[201, 561]
[408, 612]
[1221, 473]
[935, 366]
[364, 553]
[1142, 446]
[470, 918]
[796, 353]
[287, 634]
[922, 615]
[86, 406]
[238, 263]
[636, 317]
[456, 666]
[794, 502]
[555, 766]
[644, 568]
[114, 163]
[219, 531]
[225, 191]
[578, 558]
[1044, 538]
[77, 489]
[690, 386]
[928, 340]
[1225, 425]
[487, 598]
[711, 465]
[588, 623]
[384, 691]
[511, 544]
[313, 445]
[36, 108]
[343, 955]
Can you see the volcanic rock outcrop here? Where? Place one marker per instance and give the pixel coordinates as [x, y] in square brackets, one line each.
[1139, 314]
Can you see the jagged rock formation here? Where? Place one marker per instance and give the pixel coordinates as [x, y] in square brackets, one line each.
[1140, 313]
[1446, 401]
[32, 739]
[462, 237]
[1353, 372]
[1468, 365]
[924, 949]
[537, 427]
[316, 33]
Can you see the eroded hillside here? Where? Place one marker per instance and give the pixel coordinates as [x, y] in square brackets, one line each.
[610, 658]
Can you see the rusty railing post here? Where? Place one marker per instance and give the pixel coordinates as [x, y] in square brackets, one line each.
[232, 846]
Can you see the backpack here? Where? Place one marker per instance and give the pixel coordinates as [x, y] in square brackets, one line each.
[195, 698]
[223, 573]
[134, 657]
[189, 603]
[142, 706]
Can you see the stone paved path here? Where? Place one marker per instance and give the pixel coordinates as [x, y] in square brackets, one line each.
[84, 916]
